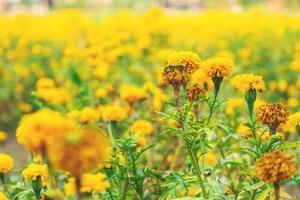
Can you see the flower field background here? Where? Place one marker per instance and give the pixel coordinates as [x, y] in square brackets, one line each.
[150, 105]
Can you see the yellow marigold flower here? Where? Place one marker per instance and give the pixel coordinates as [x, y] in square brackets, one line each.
[73, 115]
[282, 85]
[293, 102]
[246, 82]
[132, 94]
[101, 93]
[69, 187]
[35, 129]
[33, 171]
[101, 72]
[192, 191]
[3, 136]
[201, 78]
[45, 83]
[142, 126]
[272, 114]
[218, 67]
[195, 92]
[233, 104]
[292, 123]
[112, 112]
[210, 158]
[25, 107]
[94, 182]
[3, 196]
[79, 151]
[6, 163]
[275, 167]
[88, 115]
[294, 119]
[244, 131]
[186, 59]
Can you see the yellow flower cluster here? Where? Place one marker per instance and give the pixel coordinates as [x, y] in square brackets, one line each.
[272, 114]
[142, 126]
[217, 67]
[158, 96]
[34, 170]
[88, 115]
[94, 182]
[132, 94]
[275, 167]
[6, 163]
[112, 112]
[46, 90]
[246, 82]
[90, 183]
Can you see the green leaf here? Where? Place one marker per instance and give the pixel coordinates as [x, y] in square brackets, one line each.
[288, 145]
[263, 195]
[180, 181]
[255, 186]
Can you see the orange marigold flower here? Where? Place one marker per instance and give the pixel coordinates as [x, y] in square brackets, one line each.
[275, 167]
[246, 82]
[218, 67]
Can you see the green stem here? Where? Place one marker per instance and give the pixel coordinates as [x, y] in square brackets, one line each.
[110, 134]
[212, 106]
[125, 189]
[198, 173]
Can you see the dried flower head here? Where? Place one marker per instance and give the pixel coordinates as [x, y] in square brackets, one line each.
[180, 66]
[218, 67]
[275, 167]
[246, 82]
[195, 92]
[176, 75]
[272, 114]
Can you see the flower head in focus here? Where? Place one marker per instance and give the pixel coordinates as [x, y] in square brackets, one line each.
[272, 115]
[246, 82]
[217, 67]
[33, 171]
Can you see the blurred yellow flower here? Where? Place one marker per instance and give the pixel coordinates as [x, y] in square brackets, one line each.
[79, 151]
[36, 130]
[6, 163]
[142, 126]
[3, 136]
[88, 115]
[3, 196]
[94, 182]
[112, 112]
[132, 94]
